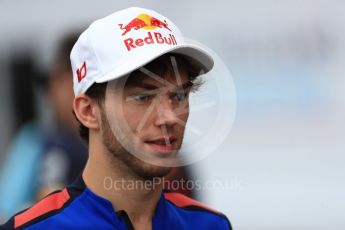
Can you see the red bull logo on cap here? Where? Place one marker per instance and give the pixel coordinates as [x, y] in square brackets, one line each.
[147, 22]
[144, 21]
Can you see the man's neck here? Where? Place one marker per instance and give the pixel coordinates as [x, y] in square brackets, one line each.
[126, 191]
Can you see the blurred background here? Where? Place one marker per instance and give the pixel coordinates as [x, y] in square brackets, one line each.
[282, 166]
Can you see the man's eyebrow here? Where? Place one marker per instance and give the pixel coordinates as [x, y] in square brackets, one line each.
[141, 84]
[148, 86]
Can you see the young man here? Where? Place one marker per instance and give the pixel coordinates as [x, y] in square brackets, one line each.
[133, 74]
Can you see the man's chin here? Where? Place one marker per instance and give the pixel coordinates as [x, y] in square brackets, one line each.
[149, 171]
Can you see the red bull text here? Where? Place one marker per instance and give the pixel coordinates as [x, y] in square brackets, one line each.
[156, 38]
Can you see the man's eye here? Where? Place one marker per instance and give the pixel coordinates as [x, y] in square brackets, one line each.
[180, 96]
[141, 97]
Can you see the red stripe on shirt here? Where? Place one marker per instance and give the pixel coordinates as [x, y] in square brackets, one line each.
[51, 202]
[181, 200]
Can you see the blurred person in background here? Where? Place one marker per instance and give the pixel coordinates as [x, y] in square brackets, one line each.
[64, 155]
[42, 158]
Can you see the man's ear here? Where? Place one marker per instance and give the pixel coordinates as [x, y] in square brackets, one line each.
[87, 111]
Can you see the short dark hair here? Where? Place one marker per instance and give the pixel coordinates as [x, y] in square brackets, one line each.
[159, 66]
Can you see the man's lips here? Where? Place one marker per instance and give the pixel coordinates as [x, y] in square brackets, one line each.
[162, 144]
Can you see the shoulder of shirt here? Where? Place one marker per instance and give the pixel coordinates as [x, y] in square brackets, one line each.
[184, 202]
[49, 206]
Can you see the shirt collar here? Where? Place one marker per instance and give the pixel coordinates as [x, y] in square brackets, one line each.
[101, 204]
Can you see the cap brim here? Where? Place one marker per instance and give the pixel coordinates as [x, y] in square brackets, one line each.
[199, 56]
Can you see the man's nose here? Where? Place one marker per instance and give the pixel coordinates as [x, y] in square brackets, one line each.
[166, 113]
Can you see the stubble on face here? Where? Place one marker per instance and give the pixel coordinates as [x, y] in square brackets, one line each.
[119, 154]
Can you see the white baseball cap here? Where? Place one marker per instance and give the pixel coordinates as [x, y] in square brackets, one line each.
[124, 41]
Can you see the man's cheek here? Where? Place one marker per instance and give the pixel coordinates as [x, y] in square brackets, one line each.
[184, 117]
[135, 122]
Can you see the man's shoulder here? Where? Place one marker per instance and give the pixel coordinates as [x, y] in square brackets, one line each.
[49, 206]
[191, 209]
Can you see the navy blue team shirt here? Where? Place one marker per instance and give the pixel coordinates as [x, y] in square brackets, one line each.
[77, 207]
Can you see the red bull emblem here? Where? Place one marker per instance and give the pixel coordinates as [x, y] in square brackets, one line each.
[147, 22]
[81, 72]
[144, 21]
